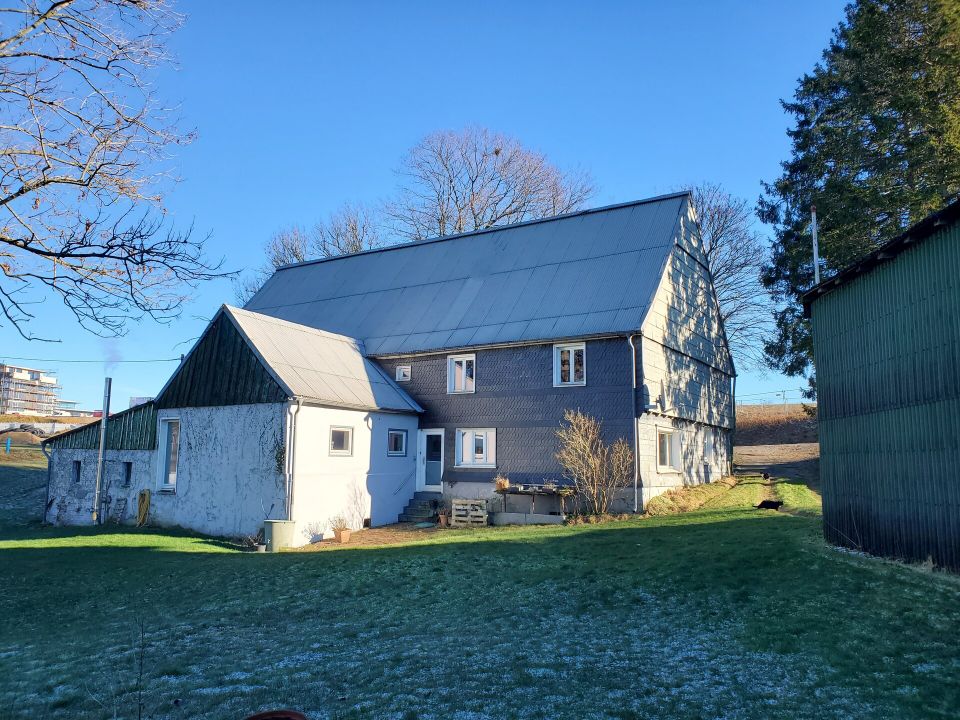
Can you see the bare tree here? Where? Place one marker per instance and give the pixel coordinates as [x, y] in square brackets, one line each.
[352, 228]
[83, 140]
[453, 182]
[598, 471]
[735, 255]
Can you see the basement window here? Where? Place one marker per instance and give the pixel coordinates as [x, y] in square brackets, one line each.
[397, 442]
[76, 471]
[668, 450]
[461, 373]
[403, 373]
[477, 447]
[341, 441]
[170, 435]
[570, 364]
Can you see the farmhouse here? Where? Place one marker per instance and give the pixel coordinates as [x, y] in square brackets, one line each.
[886, 337]
[358, 384]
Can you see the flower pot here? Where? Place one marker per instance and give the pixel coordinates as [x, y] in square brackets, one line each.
[443, 520]
[261, 547]
[342, 536]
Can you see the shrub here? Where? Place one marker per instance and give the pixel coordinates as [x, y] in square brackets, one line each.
[598, 471]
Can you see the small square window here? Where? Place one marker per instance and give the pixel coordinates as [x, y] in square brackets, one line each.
[396, 442]
[403, 373]
[461, 373]
[570, 364]
[341, 441]
[76, 471]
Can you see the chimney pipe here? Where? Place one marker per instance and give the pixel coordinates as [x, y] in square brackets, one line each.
[98, 486]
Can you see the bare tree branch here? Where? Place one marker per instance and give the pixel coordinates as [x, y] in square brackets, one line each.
[83, 145]
[735, 255]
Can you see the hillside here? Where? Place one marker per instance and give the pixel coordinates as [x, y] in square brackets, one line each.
[775, 425]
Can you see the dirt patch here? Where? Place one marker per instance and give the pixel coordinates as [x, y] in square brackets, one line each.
[385, 535]
[775, 425]
[796, 461]
[18, 437]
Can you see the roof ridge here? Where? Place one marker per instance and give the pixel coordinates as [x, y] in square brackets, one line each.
[299, 326]
[495, 228]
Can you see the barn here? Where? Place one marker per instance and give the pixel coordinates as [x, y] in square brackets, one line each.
[886, 339]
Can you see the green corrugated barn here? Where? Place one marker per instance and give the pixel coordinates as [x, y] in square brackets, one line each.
[886, 338]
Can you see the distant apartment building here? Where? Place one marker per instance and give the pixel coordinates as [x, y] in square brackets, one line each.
[28, 391]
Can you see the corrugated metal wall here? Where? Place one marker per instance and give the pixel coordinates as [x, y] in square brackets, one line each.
[887, 349]
[133, 429]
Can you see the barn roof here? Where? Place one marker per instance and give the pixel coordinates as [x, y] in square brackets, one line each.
[915, 233]
[589, 273]
[319, 366]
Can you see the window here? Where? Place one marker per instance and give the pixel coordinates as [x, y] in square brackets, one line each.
[461, 373]
[396, 442]
[668, 450]
[477, 447]
[570, 364]
[341, 441]
[403, 373]
[127, 474]
[76, 471]
[170, 432]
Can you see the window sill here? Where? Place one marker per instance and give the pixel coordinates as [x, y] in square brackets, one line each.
[390, 454]
[167, 490]
[475, 467]
[667, 470]
[570, 384]
[461, 392]
[341, 454]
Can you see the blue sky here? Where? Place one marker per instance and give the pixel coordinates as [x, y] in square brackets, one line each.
[300, 110]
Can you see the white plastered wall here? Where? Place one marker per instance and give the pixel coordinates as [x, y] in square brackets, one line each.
[367, 484]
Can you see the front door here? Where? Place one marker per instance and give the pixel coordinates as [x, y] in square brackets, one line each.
[430, 460]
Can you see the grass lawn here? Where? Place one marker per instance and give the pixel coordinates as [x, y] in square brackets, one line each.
[723, 612]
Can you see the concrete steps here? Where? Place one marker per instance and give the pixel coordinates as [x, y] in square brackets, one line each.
[421, 508]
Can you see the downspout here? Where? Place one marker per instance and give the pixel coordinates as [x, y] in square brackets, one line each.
[46, 501]
[636, 434]
[291, 452]
[733, 430]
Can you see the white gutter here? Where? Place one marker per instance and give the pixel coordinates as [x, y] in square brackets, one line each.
[636, 433]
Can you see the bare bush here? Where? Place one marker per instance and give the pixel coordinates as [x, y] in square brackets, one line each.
[599, 471]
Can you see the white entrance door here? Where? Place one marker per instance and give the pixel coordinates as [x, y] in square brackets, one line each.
[430, 460]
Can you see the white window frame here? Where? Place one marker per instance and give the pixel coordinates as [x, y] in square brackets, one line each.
[674, 448]
[341, 453]
[165, 424]
[403, 373]
[403, 434]
[466, 438]
[452, 360]
[572, 347]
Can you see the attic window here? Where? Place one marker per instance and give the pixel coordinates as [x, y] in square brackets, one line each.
[570, 364]
[403, 373]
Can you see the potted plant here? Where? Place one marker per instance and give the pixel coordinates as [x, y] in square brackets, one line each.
[443, 517]
[341, 530]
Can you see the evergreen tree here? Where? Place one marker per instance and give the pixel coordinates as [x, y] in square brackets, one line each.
[876, 147]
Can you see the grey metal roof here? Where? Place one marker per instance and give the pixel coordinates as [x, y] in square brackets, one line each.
[319, 366]
[587, 273]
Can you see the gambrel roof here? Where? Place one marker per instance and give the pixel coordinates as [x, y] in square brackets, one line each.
[590, 273]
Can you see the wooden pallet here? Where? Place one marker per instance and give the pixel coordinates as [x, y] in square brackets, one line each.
[468, 513]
